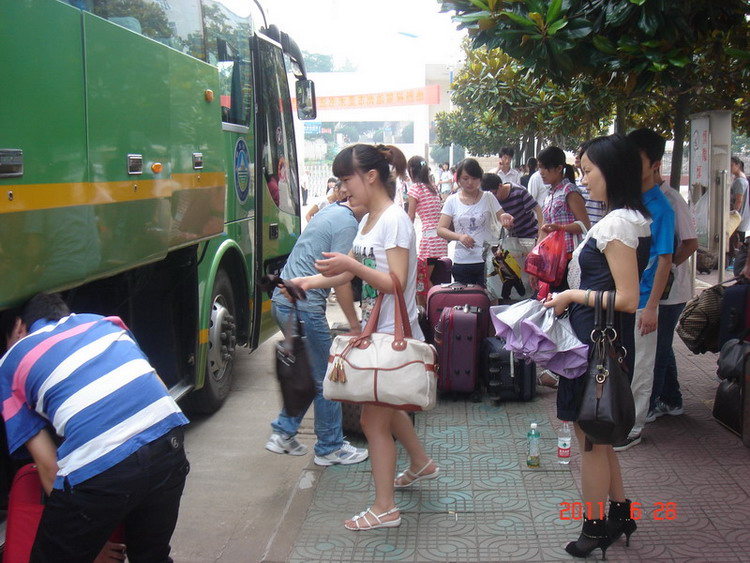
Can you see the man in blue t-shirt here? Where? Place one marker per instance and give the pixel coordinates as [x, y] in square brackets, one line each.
[655, 278]
[83, 378]
[331, 230]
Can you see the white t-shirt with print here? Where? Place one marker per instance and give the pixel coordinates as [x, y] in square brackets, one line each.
[684, 229]
[393, 229]
[474, 220]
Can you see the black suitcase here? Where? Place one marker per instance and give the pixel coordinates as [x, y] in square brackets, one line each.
[504, 376]
[734, 312]
[728, 405]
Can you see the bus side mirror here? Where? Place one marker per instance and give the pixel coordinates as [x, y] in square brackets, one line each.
[306, 107]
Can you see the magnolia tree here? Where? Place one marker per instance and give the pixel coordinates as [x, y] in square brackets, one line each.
[655, 60]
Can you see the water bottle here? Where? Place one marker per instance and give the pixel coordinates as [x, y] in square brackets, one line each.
[563, 444]
[533, 437]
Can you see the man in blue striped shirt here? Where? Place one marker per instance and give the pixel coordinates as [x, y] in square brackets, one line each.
[83, 378]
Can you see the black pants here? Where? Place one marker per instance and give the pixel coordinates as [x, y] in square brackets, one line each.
[470, 273]
[143, 492]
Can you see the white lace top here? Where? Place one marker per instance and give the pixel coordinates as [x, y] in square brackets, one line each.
[625, 225]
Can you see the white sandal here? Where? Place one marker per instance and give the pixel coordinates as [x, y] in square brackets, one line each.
[379, 523]
[416, 477]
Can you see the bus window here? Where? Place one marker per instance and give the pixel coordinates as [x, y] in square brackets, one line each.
[279, 163]
[176, 23]
[236, 91]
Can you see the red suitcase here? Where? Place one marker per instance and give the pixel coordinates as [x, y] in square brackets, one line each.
[457, 337]
[25, 507]
[457, 295]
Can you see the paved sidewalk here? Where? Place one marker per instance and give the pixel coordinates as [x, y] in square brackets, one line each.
[488, 506]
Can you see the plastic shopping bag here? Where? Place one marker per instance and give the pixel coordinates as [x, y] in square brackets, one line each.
[548, 260]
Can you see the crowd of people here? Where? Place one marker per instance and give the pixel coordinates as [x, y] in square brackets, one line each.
[626, 230]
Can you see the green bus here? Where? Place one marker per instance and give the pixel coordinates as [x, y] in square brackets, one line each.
[148, 169]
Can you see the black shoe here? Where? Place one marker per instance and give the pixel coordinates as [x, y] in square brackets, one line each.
[594, 534]
[620, 521]
[629, 442]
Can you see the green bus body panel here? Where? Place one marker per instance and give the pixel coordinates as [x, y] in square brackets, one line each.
[140, 97]
[79, 95]
[48, 119]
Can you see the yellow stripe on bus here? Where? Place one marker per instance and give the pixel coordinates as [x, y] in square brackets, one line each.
[203, 336]
[32, 197]
[266, 306]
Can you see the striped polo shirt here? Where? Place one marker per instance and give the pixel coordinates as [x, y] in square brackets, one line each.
[85, 376]
[521, 204]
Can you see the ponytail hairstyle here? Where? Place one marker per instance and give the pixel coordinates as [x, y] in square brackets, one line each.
[552, 157]
[360, 158]
[420, 172]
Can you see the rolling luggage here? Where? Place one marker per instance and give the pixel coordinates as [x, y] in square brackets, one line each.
[734, 312]
[457, 337]
[457, 295]
[505, 376]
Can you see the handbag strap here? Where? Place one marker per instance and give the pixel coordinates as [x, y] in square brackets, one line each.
[598, 296]
[402, 327]
[611, 294]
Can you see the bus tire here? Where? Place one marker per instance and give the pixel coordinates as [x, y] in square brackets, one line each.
[222, 341]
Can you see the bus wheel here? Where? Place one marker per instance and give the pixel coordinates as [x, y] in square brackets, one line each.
[222, 340]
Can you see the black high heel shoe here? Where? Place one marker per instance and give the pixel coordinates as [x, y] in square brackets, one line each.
[594, 534]
[619, 521]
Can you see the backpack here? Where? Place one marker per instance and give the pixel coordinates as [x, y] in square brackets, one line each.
[698, 325]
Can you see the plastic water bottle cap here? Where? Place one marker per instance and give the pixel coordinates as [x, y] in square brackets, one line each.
[533, 425]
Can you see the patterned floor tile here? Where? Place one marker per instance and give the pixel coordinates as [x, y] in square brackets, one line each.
[688, 474]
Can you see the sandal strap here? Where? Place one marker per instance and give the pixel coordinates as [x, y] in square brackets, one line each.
[363, 516]
[413, 476]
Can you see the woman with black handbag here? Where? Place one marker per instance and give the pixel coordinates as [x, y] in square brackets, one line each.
[385, 244]
[610, 258]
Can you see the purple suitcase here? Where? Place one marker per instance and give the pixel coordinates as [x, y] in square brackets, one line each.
[457, 337]
[449, 295]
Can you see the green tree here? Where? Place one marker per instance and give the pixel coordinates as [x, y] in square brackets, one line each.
[317, 62]
[500, 103]
[678, 49]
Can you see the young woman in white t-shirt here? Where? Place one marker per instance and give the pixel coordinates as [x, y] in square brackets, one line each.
[385, 244]
[470, 210]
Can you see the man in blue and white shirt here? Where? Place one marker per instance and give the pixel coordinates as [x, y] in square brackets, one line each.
[121, 460]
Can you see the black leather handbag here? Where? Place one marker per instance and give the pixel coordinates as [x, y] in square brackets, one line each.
[607, 412]
[292, 361]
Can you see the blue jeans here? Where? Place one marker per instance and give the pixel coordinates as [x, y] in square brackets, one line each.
[666, 387]
[327, 413]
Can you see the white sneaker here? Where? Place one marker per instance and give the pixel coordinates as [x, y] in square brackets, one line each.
[283, 444]
[346, 455]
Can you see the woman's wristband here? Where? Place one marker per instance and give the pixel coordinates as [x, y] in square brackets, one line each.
[586, 297]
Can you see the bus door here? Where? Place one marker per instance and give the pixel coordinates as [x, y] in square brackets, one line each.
[238, 125]
[277, 204]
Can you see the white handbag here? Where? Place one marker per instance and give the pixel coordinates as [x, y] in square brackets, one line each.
[392, 370]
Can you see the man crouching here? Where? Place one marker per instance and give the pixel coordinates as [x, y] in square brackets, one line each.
[121, 459]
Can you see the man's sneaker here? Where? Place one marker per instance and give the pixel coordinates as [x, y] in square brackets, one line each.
[662, 408]
[283, 444]
[346, 455]
[651, 416]
[629, 442]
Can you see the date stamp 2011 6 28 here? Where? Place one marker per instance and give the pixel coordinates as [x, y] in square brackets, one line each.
[578, 510]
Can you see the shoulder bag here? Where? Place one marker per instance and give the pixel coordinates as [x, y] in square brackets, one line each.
[607, 411]
[392, 370]
[698, 325]
[293, 370]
